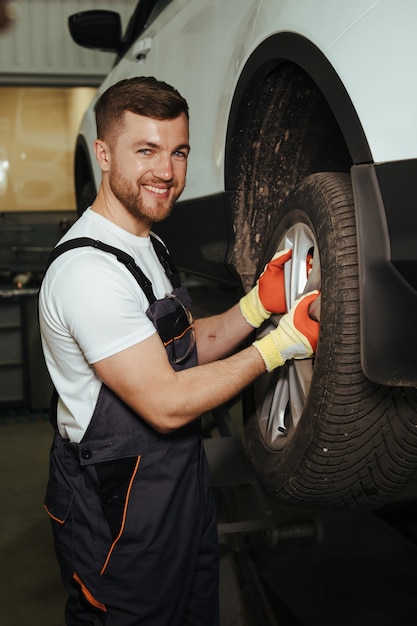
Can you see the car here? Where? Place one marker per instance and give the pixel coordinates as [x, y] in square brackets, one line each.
[303, 130]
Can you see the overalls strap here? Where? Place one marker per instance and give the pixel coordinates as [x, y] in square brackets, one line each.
[166, 261]
[127, 260]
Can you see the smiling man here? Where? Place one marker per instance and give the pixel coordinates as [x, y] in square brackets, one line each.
[129, 492]
[154, 156]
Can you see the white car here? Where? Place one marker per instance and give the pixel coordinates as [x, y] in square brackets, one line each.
[303, 134]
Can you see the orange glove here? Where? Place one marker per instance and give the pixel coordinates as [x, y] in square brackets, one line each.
[295, 337]
[268, 295]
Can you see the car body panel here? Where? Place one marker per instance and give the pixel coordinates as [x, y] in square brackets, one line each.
[374, 82]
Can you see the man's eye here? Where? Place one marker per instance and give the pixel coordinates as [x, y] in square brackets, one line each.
[180, 154]
[145, 151]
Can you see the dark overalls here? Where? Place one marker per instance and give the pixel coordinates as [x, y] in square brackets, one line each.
[132, 510]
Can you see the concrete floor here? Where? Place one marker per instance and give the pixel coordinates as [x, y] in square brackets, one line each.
[31, 592]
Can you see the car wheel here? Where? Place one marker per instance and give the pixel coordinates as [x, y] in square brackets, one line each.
[318, 432]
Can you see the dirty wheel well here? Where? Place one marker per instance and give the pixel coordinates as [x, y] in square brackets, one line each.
[284, 131]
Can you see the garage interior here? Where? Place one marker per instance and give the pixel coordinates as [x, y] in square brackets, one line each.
[280, 566]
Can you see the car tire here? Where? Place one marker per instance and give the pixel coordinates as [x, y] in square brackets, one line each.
[318, 432]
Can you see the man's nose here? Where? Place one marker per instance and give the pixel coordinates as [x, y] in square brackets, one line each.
[163, 167]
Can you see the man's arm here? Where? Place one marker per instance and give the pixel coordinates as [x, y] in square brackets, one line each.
[219, 335]
[144, 379]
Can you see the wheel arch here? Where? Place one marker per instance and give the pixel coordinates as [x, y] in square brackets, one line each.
[319, 130]
[292, 48]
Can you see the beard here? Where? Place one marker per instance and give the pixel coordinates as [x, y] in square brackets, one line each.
[130, 197]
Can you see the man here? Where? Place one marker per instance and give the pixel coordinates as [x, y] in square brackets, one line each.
[129, 491]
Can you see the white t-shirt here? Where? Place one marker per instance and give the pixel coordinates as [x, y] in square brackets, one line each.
[91, 307]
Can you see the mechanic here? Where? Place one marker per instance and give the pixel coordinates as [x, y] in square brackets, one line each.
[129, 491]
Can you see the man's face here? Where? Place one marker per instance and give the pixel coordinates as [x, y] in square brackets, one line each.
[148, 165]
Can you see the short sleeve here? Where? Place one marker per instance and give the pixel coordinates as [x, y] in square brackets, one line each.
[100, 304]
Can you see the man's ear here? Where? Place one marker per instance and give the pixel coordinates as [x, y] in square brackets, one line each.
[101, 150]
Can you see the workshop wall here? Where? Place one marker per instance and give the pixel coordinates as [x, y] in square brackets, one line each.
[38, 48]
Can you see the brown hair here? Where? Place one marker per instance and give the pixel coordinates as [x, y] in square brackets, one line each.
[143, 95]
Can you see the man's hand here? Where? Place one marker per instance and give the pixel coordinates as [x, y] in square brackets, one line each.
[295, 337]
[268, 295]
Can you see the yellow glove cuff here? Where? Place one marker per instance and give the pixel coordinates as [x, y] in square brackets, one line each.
[252, 308]
[269, 351]
[283, 343]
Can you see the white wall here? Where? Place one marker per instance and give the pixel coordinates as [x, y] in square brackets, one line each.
[38, 47]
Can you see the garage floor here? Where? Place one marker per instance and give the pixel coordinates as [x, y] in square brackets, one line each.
[359, 569]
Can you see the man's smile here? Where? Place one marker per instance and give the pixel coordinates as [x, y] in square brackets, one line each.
[158, 190]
